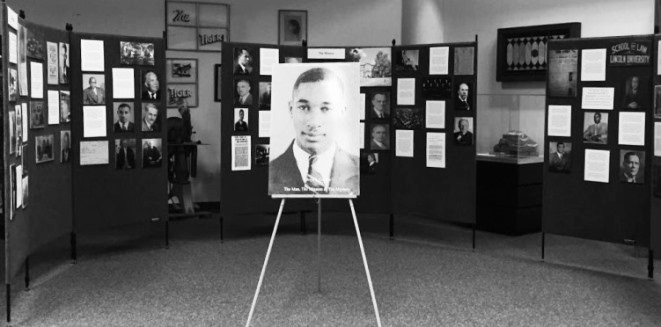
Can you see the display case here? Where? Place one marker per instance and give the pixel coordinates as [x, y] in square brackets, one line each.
[511, 128]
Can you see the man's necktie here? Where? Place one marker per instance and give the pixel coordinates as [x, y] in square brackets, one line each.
[314, 179]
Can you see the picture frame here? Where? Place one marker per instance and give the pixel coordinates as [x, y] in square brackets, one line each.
[217, 82]
[292, 27]
[196, 26]
[521, 51]
[181, 70]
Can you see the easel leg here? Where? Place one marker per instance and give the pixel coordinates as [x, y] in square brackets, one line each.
[8, 296]
[543, 244]
[367, 269]
[319, 245]
[650, 263]
[266, 261]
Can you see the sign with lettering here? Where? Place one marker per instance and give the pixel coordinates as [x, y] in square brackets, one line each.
[629, 53]
[197, 26]
[181, 70]
[188, 92]
[326, 53]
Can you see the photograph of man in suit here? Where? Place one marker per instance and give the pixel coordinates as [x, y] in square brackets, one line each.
[630, 170]
[150, 118]
[314, 162]
[462, 102]
[597, 132]
[265, 95]
[380, 108]
[240, 125]
[93, 94]
[242, 61]
[243, 96]
[65, 144]
[124, 123]
[150, 87]
[633, 97]
[462, 134]
[560, 161]
[125, 154]
[380, 140]
[151, 153]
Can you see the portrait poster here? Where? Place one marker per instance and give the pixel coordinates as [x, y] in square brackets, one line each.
[53, 107]
[464, 60]
[123, 86]
[262, 152]
[35, 44]
[94, 153]
[292, 27]
[26, 121]
[44, 148]
[375, 65]
[632, 166]
[65, 107]
[435, 114]
[37, 115]
[91, 56]
[404, 143]
[657, 139]
[241, 152]
[407, 60]
[267, 59]
[52, 71]
[319, 130]
[181, 71]
[593, 65]
[94, 121]
[436, 150]
[406, 91]
[408, 118]
[13, 48]
[595, 127]
[439, 60]
[560, 157]
[152, 153]
[64, 68]
[36, 80]
[631, 129]
[264, 123]
[136, 53]
[563, 73]
[597, 165]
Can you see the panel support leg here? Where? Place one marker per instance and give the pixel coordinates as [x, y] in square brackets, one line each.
[543, 244]
[8, 296]
[74, 254]
[650, 263]
[392, 226]
[474, 232]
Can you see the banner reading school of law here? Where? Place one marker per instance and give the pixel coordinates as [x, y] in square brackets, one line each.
[314, 131]
[196, 26]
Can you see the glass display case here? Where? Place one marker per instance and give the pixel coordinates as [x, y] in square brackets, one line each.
[510, 128]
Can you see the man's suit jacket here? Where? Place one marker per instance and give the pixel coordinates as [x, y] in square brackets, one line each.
[66, 155]
[592, 131]
[124, 159]
[461, 105]
[247, 102]
[155, 127]
[283, 172]
[145, 95]
[559, 164]
[376, 115]
[90, 98]
[118, 128]
[638, 179]
[151, 157]
[238, 70]
[466, 139]
[376, 146]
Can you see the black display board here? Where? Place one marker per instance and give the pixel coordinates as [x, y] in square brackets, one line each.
[442, 193]
[615, 211]
[104, 195]
[655, 213]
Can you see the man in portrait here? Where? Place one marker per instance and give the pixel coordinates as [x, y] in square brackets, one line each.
[125, 156]
[630, 171]
[560, 160]
[379, 103]
[241, 125]
[314, 162]
[93, 94]
[242, 62]
[597, 132]
[66, 147]
[150, 118]
[150, 87]
[380, 139]
[633, 98]
[124, 123]
[65, 111]
[64, 63]
[462, 102]
[265, 95]
[151, 155]
[243, 96]
[293, 31]
[463, 135]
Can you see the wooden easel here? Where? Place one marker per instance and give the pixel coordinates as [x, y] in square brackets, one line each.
[362, 252]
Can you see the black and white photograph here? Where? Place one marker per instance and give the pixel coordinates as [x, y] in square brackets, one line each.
[44, 148]
[560, 157]
[65, 146]
[379, 135]
[152, 153]
[26, 189]
[262, 152]
[241, 119]
[375, 65]
[123, 117]
[369, 162]
[35, 44]
[151, 117]
[292, 27]
[436, 87]
[595, 127]
[463, 99]
[150, 86]
[463, 131]
[657, 101]
[94, 89]
[407, 60]
[12, 132]
[635, 93]
[243, 61]
[19, 130]
[65, 107]
[265, 95]
[314, 130]
[64, 63]
[180, 70]
[243, 95]
[13, 84]
[632, 166]
[37, 115]
[563, 73]
[136, 53]
[125, 150]
[378, 104]
[409, 118]
[293, 60]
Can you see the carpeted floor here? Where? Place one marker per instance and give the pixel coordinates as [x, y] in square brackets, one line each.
[428, 276]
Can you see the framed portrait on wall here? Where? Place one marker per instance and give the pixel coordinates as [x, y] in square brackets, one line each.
[292, 27]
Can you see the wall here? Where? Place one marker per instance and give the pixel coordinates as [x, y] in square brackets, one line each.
[338, 22]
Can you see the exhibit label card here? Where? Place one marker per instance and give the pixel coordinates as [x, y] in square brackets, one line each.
[13, 48]
[631, 129]
[657, 139]
[593, 65]
[361, 106]
[326, 53]
[94, 121]
[53, 107]
[361, 135]
[26, 119]
[658, 58]
[268, 58]
[404, 143]
[436, 150]
[91, 56]
[94, 153]
[264, 123]
[439, 58]
[123, 83]
[559, 121]
[435, 114]
[51, 63]
[598, 98]
[597, 165]
[19, 186]
[406, 91]
[240, 152]
[12, 18]
[36, 80]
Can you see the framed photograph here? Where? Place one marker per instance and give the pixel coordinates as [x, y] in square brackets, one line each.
[150, 86]
[560, 157]
[217, 82]
[292, 27]
[595, 127]
[125, 150]
[44, 148]
[521, 51]
[463, 130]
[65, 146]
[37, 114]
[181, 70]
[94, 89]
[196, 26]
[136, 53]
[185, 92]
[152, 153]
[65, 107]
[123, 117]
